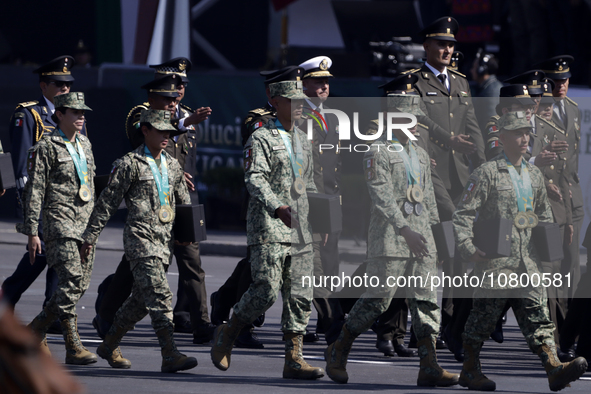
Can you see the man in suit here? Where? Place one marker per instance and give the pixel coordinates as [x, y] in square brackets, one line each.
[446, 94]
[327, 176]
[30, 121]
[568, 117]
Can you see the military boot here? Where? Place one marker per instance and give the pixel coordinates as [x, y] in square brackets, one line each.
[336, 356]
[560, 374]
[223, 341]
[295, 366]
[109, 349]
[172, 359]
[39, 326]
[75, 353]
[430, 373]
[472, 376]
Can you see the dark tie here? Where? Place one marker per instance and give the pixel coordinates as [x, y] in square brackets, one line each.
[442, 78]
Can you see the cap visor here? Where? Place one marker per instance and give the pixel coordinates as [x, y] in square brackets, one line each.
[63, 78]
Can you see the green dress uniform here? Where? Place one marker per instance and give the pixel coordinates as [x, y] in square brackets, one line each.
[453, 111]
[147, 241]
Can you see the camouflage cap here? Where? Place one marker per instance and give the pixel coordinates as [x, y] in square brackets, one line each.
[73, 100]
[405, 103]
[158, 118]
[514, 121]
[288, 89]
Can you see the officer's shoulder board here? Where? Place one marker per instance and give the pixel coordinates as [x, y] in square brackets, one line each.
[549, 123]
[135, 112]
[261, 111]
[571, 101]
[26, 104]
[456, 72]
[185, 107]
[414, 70]
[423, 126]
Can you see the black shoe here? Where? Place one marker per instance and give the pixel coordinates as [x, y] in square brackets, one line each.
[403, 351]
[310, 337]
[203, 333]
[101, 326]
[217, 316]
[497, 334]
[55, 328]
[183, 326]
[248, 340]
[385, 346]
[260, 321]
[454, 346]
[440, 343]
[567, 356]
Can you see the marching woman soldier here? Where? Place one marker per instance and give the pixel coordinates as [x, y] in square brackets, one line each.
[61, 172]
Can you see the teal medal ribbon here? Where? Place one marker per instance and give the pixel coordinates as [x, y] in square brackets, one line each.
[165, 212]
[79, 159]
[413, 172]
[296, 158]
[526, 218]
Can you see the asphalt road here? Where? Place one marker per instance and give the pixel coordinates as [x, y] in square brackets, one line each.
[511, 364]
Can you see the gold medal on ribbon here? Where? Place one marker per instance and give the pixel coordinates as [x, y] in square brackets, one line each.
[417, 193]
[166, 214]
[299, 187]
[409, 194]
[521, 221]
[84, 193]
[532, 219]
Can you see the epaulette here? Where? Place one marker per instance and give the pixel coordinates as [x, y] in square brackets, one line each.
[551, 124]
[183, 106]
[423, 126]
[133, 113]
[414, 70]
[493, 120]
[492, 139]
[456, 72]
[571, 101]
[375, 121]
[261, 111]
[26, 104]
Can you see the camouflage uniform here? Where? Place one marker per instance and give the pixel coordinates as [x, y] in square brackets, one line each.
[52, 190]
[147, 241]
[388, 252]
[278, 253]
[490, 194]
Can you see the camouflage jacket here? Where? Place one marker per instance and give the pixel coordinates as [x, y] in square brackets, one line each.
[385, 175]
[489, 194]
[131, 179]
[53, 187]
[269, 177]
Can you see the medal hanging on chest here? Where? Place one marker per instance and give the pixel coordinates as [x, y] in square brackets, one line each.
[414, 192]
[296, 159]
[525, 218]
[165, 212]
[79, 159]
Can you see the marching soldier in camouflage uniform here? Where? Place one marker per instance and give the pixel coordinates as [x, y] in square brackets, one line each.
[61, 172]
[30, 121]
[491, 193]
[190, 313]
[400, 242]
[278, 172]
[151, 182]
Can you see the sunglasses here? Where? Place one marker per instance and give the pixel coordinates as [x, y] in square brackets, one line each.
[60, 84]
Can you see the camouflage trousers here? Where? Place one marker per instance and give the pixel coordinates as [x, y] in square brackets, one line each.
[150, 294]
[63, 255]
[529, 306]
[422, 301]
[279, 267]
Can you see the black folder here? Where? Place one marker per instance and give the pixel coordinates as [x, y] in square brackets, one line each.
[189, 223]
[325, 216]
